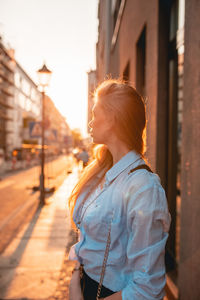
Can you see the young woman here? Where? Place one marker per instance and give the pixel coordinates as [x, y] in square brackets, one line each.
[119, 196]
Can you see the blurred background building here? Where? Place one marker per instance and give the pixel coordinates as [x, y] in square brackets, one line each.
[155, 46]
[57, 132]
[7, 89]
[27, 107]
[20, 114]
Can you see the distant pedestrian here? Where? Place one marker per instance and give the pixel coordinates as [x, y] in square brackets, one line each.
[28, 159]
[76, 153]
[84, 157]
[14, 159]
[119, 206]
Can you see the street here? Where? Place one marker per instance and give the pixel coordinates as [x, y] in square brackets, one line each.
[35, 264]
[19, 200]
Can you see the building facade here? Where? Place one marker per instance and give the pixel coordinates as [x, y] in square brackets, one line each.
[6, 100]
[20, 103]
[27, 108]
[58, 135]
[189, 263]
[150, 44]
[20, 113]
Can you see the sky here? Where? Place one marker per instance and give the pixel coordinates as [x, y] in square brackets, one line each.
[61, 33]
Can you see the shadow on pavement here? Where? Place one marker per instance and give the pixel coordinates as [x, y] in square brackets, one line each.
[16, 256]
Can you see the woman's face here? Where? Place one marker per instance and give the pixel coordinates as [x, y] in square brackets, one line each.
[101, 125]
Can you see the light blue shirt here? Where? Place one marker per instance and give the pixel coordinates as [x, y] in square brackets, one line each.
[136, 204]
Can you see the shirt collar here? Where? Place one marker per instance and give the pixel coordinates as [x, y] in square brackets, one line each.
[127, 160]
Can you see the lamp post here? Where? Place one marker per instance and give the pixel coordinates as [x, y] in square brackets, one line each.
[44, 75]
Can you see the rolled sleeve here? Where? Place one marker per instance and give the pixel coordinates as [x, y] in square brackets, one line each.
[148, 221]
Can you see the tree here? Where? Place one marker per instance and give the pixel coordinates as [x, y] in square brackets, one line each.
[77, 137]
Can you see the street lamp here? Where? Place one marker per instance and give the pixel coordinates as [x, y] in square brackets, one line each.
[44, 76]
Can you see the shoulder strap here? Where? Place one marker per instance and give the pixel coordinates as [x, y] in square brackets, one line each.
[140, 167]
[103, 268]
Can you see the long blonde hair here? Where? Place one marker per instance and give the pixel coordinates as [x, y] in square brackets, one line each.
[128, 107]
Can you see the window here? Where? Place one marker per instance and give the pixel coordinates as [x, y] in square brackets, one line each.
[141, 62]
[116, 11]
[126, 72]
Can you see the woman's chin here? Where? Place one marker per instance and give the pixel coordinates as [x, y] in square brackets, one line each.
[95, 140]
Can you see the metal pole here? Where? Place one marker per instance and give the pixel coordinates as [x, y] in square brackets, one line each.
[42, 188]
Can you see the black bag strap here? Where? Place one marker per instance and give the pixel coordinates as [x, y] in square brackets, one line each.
[140, 167]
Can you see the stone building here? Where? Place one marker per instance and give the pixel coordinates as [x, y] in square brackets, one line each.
[20, 105]
[20, 102]
[155, 46]
[27, 108]
[6, 99]
[57, 132]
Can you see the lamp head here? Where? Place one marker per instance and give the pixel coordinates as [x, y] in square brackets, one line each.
[44, 76]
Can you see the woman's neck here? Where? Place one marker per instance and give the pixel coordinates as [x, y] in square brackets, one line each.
[118, 149]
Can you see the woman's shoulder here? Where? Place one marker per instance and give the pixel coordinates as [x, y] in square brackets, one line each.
[142, 185]
[143, 178]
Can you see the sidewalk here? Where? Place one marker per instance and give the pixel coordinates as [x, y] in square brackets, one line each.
[8, 167]
[35, 265]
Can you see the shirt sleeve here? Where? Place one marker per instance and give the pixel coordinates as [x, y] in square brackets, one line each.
[148, 222]
[72, 252]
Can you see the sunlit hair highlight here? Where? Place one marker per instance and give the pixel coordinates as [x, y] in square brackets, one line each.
[127, 106]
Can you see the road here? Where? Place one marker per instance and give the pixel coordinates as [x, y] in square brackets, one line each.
[18, 199]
